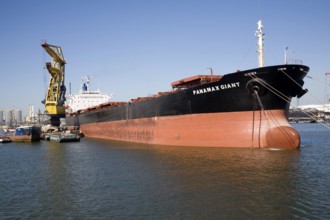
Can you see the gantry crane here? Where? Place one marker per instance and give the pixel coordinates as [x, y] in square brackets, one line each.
[55, 96]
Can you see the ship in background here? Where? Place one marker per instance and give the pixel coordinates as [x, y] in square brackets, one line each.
[243, 109]
[86, 97]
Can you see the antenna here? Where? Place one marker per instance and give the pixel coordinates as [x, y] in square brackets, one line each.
[285, 58]
[210, 68]
[260, 35]
[325, 89]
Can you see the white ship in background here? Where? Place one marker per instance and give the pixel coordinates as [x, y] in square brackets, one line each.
[86, 97]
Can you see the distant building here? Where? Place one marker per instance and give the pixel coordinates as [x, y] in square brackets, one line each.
[310, 113]
[319, 108]
[2, 120]
[8, 118]
[32, 117]
[17, 117]
[11, 118]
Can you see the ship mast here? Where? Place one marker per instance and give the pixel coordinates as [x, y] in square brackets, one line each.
[260, 36]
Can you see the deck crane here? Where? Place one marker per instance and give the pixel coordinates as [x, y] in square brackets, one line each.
[55, 96]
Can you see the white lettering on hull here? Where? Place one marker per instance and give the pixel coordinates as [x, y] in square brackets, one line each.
[216, 88]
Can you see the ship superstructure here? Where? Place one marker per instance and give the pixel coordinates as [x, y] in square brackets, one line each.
[86, 97]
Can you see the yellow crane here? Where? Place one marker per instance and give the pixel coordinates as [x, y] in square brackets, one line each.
[55, 96]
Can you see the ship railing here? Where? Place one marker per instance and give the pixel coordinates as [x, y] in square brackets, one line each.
[294, 61]
[98, 107]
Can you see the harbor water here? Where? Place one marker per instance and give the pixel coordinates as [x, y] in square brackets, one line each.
[94, 179]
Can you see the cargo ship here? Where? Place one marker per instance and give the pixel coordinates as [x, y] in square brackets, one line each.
[243, 109]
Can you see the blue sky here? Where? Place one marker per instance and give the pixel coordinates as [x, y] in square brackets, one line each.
[138, 47]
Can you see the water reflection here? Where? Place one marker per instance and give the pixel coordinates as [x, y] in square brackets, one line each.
[57, 194]
[229, 183]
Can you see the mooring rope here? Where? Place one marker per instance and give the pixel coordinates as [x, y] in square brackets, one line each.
[286, 98]
[311, 115]
[272, 89]
[265, 114]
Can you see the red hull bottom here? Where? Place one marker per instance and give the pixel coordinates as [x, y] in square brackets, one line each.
[259, 129]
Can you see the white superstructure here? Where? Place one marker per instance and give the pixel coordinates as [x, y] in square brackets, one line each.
[320, 107]
[86, 97]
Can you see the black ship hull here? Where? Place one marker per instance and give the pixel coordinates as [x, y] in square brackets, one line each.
[251, 93]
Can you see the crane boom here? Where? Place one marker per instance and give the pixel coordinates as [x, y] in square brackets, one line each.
[55, 52]
[55, 96]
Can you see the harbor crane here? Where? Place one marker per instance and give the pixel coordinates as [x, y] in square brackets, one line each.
[55, 95]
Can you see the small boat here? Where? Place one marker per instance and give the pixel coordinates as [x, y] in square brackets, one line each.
[26, 134]
[63, 137]
[5, 140]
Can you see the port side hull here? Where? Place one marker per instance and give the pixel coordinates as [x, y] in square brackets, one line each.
[248, 129]
[242, 109]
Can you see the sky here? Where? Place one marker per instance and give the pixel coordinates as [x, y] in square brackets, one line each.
[135, 48]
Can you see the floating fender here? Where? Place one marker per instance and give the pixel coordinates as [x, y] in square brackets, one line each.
[256, 85]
